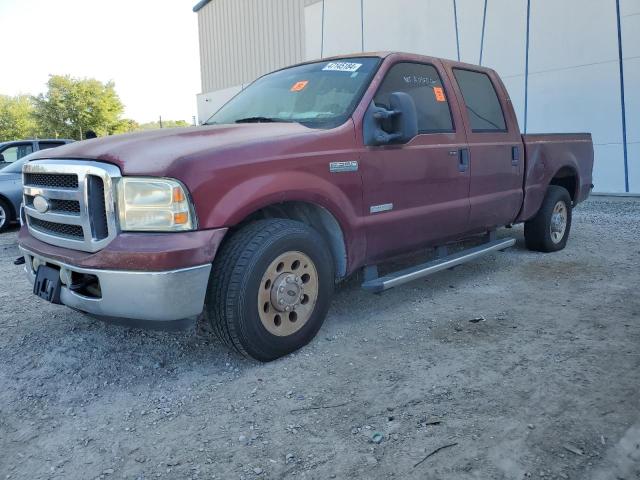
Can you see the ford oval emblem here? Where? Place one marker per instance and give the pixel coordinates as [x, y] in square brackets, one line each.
[40, 203]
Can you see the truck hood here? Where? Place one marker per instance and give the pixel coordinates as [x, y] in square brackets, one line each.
[158, 152]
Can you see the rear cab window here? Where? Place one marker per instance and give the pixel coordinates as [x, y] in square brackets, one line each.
[423, 83]
[481, 101]
[46, 145]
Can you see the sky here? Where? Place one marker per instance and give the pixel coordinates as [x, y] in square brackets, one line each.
[149, 48]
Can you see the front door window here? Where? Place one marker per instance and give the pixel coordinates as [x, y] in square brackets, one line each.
[16, 152]
[424, 85]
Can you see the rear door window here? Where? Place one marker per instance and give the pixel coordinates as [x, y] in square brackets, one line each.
[480, 98]
[423, 83]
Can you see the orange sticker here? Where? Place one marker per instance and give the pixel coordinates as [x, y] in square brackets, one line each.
[298, 86]
[439, 93]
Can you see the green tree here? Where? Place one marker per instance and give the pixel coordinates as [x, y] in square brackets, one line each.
[165, 124]
[17, 120]
[71, 106]
[126, 125]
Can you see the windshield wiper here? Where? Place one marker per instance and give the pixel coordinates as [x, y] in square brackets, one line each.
[262, 120]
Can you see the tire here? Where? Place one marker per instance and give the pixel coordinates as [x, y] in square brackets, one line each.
[270, 288]
[549, 230]
[6, 215]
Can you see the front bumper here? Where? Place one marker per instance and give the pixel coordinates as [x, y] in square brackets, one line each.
[140, 295]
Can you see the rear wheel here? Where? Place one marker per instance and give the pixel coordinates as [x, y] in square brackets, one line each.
[5, 215]
[270, 288]
[549, 230]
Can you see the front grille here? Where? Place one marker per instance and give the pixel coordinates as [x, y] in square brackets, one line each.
[66, 206]
[51, 180]
[61, 229]
[80, 197]
[57, 206]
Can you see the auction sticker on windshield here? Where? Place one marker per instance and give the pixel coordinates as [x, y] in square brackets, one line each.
[342, 67]
[298, 86]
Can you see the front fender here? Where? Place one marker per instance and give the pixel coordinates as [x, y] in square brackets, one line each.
[340, 195]
[256, 193]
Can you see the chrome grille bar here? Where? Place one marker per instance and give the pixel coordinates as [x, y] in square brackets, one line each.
[52, 192]
[71, 180]
[54, 217]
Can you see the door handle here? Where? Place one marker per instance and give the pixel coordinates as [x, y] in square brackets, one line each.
[515, 156]
[463, 159]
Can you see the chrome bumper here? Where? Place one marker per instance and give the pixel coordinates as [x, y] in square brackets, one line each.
[156, 296]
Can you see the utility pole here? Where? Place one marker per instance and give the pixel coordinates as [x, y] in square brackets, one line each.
[160, 121]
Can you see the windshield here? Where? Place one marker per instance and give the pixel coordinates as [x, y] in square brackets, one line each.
[14, 167]
[318, 95]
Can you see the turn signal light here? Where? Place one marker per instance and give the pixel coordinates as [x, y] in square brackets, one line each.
[178, 195]
[180, 218]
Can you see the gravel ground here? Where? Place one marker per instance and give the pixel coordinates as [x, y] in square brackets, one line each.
[525, 365]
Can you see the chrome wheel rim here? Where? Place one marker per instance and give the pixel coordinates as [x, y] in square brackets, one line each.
[3, 216]
[558, 222]
[288, 293]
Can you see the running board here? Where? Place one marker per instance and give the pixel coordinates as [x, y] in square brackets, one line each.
[412, 273]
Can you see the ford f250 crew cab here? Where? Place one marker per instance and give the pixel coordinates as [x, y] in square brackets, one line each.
[308, 175]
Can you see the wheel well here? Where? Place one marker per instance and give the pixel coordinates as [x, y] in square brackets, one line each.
[12, 210]
[568, 178]
[316, 217]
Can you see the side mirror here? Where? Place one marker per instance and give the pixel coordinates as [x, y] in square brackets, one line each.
[396, 126]
[1, 158]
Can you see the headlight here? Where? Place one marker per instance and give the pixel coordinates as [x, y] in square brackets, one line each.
[153, 204]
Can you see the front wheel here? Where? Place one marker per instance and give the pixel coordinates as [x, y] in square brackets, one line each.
[5, 215]
[270, 288]
[548, 231]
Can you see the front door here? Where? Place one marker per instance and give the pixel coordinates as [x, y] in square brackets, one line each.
[418, 193]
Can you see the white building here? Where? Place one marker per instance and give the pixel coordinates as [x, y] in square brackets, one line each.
[569, 65]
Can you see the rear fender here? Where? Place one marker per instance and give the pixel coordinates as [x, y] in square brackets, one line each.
[543, 162]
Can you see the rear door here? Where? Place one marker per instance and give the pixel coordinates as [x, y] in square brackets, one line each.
[417, 194]
[495, 146]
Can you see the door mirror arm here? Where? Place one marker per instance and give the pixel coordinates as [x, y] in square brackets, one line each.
[379, 115]
[402, 116]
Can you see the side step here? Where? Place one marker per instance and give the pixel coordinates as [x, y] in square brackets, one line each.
[391, 280]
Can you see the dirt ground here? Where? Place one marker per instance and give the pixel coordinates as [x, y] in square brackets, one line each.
[524, 365]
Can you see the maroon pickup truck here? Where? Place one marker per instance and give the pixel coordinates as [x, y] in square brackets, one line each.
[308, 175]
